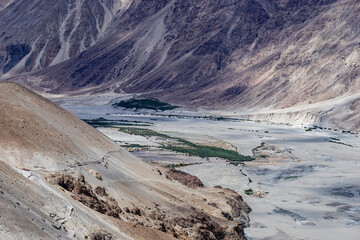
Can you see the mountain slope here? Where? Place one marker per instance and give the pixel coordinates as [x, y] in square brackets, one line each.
[248, 55]
[31, 124]
[61, 178]
[37, 34]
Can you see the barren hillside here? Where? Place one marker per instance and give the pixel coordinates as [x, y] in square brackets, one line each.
[36, 34]
[244, 56]
[60, 178]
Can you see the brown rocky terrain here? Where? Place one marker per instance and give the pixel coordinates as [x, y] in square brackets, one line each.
[36, 34]
[60, 178]
[248, 56]
[184, 178]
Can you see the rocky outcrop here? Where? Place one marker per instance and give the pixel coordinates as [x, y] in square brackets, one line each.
[197, 225]
[99, 236]
[184, 178]
[81, 191]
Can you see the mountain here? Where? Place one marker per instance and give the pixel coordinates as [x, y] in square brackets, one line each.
[62, 179]
[36, 34]
[248, 56]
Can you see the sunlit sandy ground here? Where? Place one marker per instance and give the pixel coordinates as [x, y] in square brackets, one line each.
[312, 185]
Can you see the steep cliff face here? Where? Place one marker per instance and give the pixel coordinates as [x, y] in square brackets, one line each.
[4, 3]
[36, 34]
[240, 55]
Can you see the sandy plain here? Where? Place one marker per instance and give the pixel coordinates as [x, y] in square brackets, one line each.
[60, 178]
[311, 178]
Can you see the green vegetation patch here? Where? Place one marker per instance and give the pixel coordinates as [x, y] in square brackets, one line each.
[249, 192]
[291, 177]
[194, 149]
[173, 166]
[255, 150]
[102, 122]
[143, 132]
[147, 103]
[135, 146]
[339, 142]
[183, 146]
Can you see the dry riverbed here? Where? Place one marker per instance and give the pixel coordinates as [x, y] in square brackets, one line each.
[308, 181]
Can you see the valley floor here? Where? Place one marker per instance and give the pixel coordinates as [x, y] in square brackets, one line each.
[308, 181]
